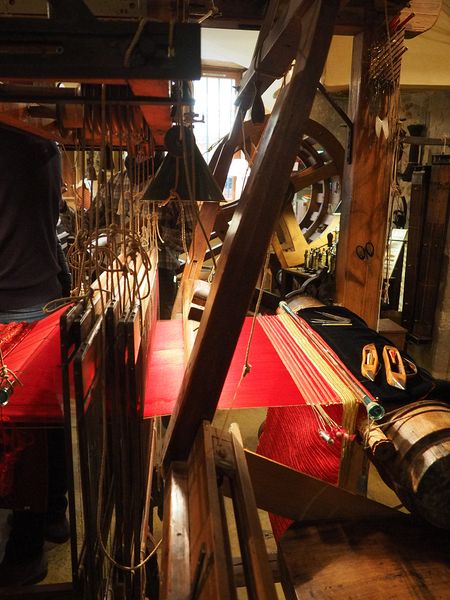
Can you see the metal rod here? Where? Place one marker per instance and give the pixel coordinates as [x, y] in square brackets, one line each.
[343, 116]
[140, 100]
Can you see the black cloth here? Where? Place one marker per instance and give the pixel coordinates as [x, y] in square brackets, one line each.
[167, 292]
[348, 342]
[30, 191]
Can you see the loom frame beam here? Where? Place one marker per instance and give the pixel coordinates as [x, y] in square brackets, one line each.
[249, 236]
[75, 51]
[196, 553]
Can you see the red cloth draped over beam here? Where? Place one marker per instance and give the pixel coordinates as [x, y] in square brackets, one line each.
[268, 383]
[34, 356]
[32, 352]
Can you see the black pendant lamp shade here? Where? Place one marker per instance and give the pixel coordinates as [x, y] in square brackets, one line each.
[183, 172]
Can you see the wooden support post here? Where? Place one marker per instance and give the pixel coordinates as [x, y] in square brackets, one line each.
[196, 552]
[211, 565]
[175, 569]
[258, 574]
[365, 194]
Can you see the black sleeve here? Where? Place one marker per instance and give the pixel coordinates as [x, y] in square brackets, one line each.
[64, 276]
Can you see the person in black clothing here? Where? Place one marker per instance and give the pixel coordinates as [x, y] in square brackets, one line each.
[30, 272]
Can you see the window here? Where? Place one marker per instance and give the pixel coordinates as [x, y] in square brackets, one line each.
[215, 94]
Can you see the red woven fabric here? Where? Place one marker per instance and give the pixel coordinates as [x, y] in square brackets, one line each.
[291, 430]
[291, 437]
[33, 354]
[11, 334]
[267, 384]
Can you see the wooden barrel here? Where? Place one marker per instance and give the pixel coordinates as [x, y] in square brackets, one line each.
[420, 471]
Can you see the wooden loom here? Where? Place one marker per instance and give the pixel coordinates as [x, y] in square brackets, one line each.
[189, 414]
[198, 397]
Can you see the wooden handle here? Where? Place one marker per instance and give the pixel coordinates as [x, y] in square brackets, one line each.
[380, 447]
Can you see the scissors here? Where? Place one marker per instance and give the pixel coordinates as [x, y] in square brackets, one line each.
[365, 252]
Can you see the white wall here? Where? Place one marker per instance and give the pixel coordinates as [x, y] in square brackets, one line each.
[425, 64]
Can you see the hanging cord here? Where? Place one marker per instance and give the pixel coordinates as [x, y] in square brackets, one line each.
[394, 187]
[247, 156]
[190, 182]
[128, 568]
[137, 36]
[246, 366]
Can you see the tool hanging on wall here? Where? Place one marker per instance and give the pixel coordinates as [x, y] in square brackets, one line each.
[415, 151]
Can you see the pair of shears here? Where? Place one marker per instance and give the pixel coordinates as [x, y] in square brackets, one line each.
[330, 319]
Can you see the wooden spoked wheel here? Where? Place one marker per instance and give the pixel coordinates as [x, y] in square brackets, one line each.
[317, 172]
[322, 159]
[316, 179]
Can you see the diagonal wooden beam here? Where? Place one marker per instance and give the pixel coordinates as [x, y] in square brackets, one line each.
[275, 48]
[249, 235]
[274, 54]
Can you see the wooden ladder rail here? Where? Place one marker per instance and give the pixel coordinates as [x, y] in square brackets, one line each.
[196, 554]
